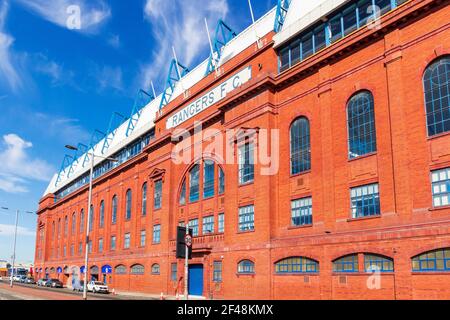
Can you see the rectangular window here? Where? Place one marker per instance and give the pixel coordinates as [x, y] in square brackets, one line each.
[157, 234]
[208, 225]
[336, 28]
[365, 201]
[100, 245]
[350, 20]
[64, 251]
[80, 248]
[217, 271]
[301, 211]
[365, 11]
[158, 194]
[72, 250]
[384, 6]
[221, 223]
[113, 243]
[143, 238]
[320, 41]
[441, 187]
[208, 179]
[127, 240]
[284, 59]
[295, 53]
[194, 184]
[173, 271]
[90, 247]
[247, 218]
[307, 46]
[246, 163]
[193, 224]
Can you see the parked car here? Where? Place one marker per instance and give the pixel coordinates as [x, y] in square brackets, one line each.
[16, 278]
[78, 286]
[54, 283]
[22, 279]
[30, 281]
[97, 286]
[41, 282]
[1, 278]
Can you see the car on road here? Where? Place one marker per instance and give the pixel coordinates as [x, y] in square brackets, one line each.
[22, 279]
[30, 281]
[16, 278]
[1, 278]
[97, 286]
[42, 282]
[54, 283]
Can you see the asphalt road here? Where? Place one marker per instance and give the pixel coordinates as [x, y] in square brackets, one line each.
[22, 291]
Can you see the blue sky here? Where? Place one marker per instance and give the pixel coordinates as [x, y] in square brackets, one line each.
[57, 85]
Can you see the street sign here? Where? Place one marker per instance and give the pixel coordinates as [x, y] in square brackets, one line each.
[188, 240]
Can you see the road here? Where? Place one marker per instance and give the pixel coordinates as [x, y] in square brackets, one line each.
[33, 292]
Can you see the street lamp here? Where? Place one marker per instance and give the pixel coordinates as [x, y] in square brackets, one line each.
[91, 173]
[15, 242]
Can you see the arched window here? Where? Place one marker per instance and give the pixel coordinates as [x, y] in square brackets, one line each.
[346, 264]
[300, 146]
[435, 260]
[374, 262]
[194, 183]
[296, 265]
[361, 125]
[114, 210]
[137, 269]
[155, 269]
[436, 82]
[102, 214]
[183, 193]
[120, 269]
[59, 228]
[91, 218]
[81, 221]
[246, 267]
[66, 225]
[53, 230]
[144, 199]
[128, 205]
[74, 223]
[221, 181]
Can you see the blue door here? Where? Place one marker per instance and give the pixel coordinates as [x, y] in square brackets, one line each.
[196, 279]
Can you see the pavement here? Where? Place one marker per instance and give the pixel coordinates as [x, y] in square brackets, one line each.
[22, 291]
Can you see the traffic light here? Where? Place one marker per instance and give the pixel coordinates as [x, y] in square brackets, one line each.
[181, 245]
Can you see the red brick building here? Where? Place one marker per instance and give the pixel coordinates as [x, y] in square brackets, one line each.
[361, 183]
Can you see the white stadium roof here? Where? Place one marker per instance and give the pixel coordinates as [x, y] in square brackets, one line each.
[301, 14]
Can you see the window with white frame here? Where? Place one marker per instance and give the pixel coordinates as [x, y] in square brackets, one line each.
[440, 180]
[301, 211]
[365, 201]
[247, 218]
[208, 225]
[246, 163]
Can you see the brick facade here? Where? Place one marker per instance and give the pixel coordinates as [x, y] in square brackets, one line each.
[390, 63]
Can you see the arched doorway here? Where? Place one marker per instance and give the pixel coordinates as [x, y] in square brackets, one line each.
[106, 274]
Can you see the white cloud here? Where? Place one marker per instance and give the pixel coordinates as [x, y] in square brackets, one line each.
[67, 129]
[8, 70]
[7, 230]
[17, 166]
[58, 74]
[93, 13]
[179, 23]
[109, 77]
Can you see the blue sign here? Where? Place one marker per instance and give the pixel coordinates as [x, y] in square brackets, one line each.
[59, 270]
[82, 269]
[106, 269]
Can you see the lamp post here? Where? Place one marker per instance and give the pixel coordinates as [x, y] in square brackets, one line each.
[11, 282]
[88, 225]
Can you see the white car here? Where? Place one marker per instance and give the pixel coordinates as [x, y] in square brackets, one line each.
[97, 286]
[17, 278]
